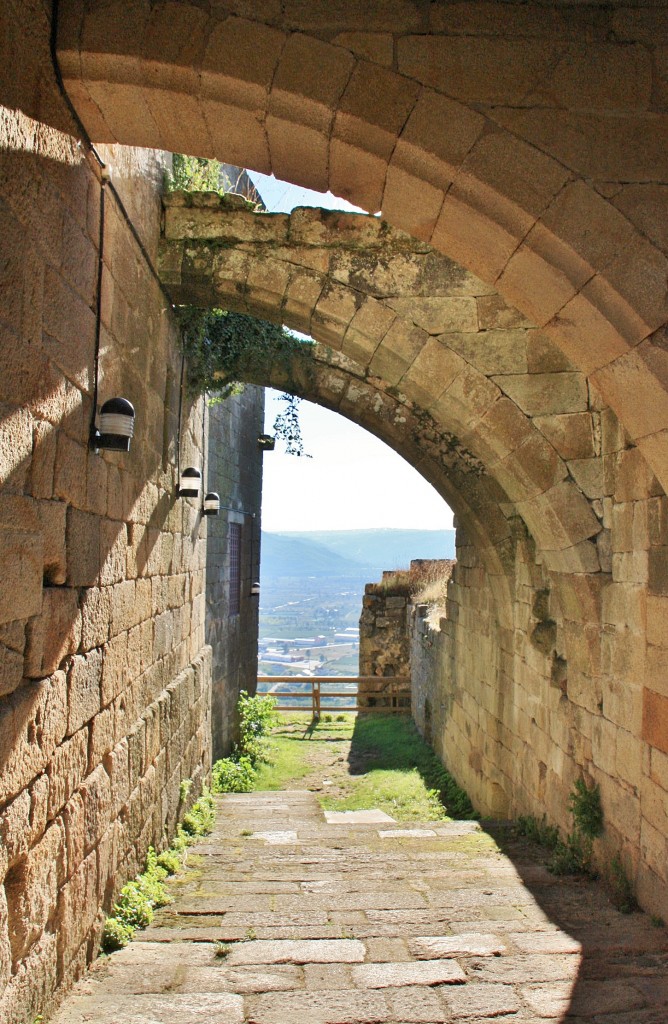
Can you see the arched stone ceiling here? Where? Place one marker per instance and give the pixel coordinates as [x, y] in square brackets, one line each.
[490, 130]
[511, 423]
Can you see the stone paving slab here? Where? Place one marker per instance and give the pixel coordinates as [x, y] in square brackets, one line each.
[371, 817]
[475, 944]
[389, 975]
[174, 1008]
[350, 926]
[325, 951]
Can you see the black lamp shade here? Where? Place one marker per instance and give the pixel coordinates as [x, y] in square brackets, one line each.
[211, 504]
[117, 424]
[190, 483]
[266, 443]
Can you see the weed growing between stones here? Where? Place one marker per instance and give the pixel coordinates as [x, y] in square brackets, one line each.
[572, 855]
[139, 897]
[236, 774]
[221, 949]
[537, 831]
[621, 890]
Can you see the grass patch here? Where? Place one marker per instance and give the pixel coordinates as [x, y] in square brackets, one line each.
[366, 761]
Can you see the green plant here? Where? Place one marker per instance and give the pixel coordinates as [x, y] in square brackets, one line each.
[184, 788]
[236, 774]
[257, 716]
[139, 897]
[657, 921]
[246, 832]
[193, 174]
[223, 348]
[200, 819]
[116, 935]
[221, 949]
[573, 855]
[585, 806]
[621, 890]
[250, 935]
[537, 831]
[233, 776]
[170, 861]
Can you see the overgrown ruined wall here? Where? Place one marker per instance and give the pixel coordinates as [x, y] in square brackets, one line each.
[105, 676]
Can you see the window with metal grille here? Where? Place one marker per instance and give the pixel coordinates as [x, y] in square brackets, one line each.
[235, 568]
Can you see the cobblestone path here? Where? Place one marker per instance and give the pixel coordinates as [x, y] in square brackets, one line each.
[354, 922]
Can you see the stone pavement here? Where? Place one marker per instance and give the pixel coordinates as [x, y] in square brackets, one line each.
[364, 921]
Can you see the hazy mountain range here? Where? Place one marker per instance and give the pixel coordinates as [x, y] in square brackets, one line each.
[347, 552]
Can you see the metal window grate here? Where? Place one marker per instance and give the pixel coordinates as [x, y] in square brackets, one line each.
[235, 568]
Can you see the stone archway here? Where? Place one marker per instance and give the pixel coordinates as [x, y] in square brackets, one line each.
[410, 322]
[544, 180]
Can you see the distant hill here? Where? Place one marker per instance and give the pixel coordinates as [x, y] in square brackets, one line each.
[343, 552]
[286, 554]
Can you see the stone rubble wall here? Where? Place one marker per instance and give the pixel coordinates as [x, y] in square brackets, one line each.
[105, 673]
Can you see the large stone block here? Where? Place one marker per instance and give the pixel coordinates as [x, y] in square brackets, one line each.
[32, 724]
[96, 795]
[84, 681]
[55, 634]
[83, 548]
[95, 617]
[66, 770]
[15, 447]
[78, 904]
[22, 559]
[655, 720]
[31, 889]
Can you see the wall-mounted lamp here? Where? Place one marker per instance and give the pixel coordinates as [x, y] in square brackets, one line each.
[211, 504]
[266, 443]
[255, 590]
[117, 415]
[190, 483]
[117, 424]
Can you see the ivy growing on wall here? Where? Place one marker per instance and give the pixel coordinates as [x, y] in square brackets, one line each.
[223, 348]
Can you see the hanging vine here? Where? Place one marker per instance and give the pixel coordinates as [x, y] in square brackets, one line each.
[223, 348]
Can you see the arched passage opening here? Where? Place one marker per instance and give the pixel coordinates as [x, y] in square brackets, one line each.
[490, 172]
[109, 530]
[413, 348]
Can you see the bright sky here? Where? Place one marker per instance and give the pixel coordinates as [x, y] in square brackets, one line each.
[353, 481]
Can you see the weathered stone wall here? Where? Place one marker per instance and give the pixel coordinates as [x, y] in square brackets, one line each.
[533, 681]
[105, 676]
[384, 645]
[234, 464]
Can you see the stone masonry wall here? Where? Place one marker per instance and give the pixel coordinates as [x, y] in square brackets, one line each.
[234, 463]
[533, 681]
[105, 676]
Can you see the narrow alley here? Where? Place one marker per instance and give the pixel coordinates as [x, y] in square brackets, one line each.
[290, 913]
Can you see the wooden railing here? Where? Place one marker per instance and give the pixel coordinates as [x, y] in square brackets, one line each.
[371, 693]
